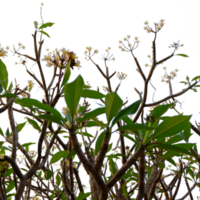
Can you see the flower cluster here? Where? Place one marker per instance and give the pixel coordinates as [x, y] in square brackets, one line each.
[158, 26]
[121, 76]
[89, 51]
[175, 45]
[166, 78]
[130, 47]
[2, 52]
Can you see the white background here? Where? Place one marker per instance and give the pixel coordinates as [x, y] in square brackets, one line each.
[193, 20]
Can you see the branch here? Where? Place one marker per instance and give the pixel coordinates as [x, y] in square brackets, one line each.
[141, 177]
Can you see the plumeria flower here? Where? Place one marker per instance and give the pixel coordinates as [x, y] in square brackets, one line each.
[60, 57]
[108, 54]
[30, 83]
[3, 52]
[126, 45]
[121, 76]
[176, 45]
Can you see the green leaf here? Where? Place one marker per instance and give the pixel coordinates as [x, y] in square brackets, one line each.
[50, 118]
[99, 142]
[112, 166]
[28, 144]
[127, 111]
[34, 124]
[92, 94]
[1, 132]
[83, 195]
[85, 134]
[183, 82]
[10, 87]
[127, 175]
[190, 172]
[9, 95]
[7, 133]
[135, 127]
[171, 126]
[58, 179]
[174, 139]
[8, 172]
[33, 102]
[112, 104]
[67, 73]
[161, 165]
[186, 132]
[56, 157]
[182, 148]
[124, 191]
[195, 78]
[1, 88]
[48, 174]
[49, 24]
[127, 120]
[47, 34]
[183, 55]
[171, 161]
[11, 186]
[20, 126]
[197, 86]
[93, 113]
[71, 154]
[129, 137]
[73, 93]
[115, 156]
[3, 75]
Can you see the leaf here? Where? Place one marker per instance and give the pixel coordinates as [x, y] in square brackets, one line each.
[112, 104]
[93, 113]
[135, 127]
[9, 95]
[195, 78]
[28, 144]
[34, 124]
[1, 88]
[171, 126]
[50, 118]
[124, 191]
[127, 175]
[67, 73]
[83, 195]
[47, 34]
[183, 55]
[183, 82]
[48, 174]
[161, 165]
[71, 154]
[186, 132]
[56, 157]
[127, 111]
[7, 133]
[3, 75]
[112, 166]
[174, 139]
[129, 137]
[11, 186]
[10, 87]
[58, 179]
[20, 126]
[197, 86]
[176, 147]
[1, 132]
[73, 93]
[92, 94]
[99, 142]
[127, 120]
[171, 161]
[49, 24]
[33, 102]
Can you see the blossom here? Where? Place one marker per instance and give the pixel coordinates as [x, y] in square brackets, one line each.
[30, 83]
[60, 57]
[128, 43]
[121, 76]
[64, 110]
[3, 52]
[176, 45]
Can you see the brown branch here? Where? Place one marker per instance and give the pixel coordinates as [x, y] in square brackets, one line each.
[189, 190]
[161, 61]
[125, 167]
[141, 177]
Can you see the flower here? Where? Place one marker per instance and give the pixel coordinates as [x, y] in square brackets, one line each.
[23, 47]
[60, 57]
[121, 76]
[20, 44]
[64, 110]
[30, 83]
[128, 43]
[176, 45]
[2, 156]
[3, 52]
